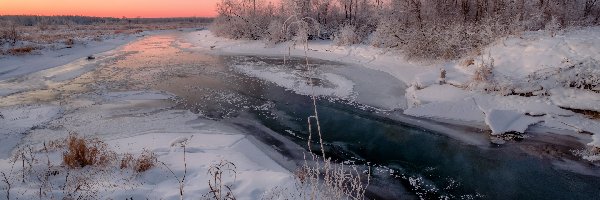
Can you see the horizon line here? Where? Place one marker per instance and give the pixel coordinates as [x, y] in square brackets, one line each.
[92, 16]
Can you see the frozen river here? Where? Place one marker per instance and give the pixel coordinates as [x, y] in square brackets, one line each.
[357, 110]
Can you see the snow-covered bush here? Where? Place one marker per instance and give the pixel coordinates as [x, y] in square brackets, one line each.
[388, 34]
[302, 34]
[347, 35]
[483, 78]
[423, 29]
[240, 20]
[439, 40]
[483, 72]
[436, 42]
[236, 28]
[553, 26]
[581, 75]
[10, 33]
[276, 32]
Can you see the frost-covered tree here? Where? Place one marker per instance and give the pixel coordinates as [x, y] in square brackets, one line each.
[423, 29]
[242, 19]
[347, 35]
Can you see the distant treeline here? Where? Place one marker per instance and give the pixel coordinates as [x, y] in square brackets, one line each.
[33, 20]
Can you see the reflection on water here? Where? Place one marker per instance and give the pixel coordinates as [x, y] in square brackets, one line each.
[430, 165]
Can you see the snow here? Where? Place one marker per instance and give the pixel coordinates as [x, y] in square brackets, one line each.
[504, 121]
[129, 122]
[438, 93]
[462, 110]
[534, 51]
[16, 120]
[575, 98]
[336, 85]
[42, 71]
[360, 55]
[13, 66]
[535, 62]
[596, 140]
[134, 121]
[363, 65]
[256, 171]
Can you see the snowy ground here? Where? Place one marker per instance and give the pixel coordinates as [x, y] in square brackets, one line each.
[47, 58]
[42, 105]
[537, 80]
[130, 122]
[133, 121]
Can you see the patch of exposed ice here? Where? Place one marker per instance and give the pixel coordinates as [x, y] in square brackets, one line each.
[136, 95]
[332, 85]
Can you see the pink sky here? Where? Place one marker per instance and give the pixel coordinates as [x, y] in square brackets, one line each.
[111, 8]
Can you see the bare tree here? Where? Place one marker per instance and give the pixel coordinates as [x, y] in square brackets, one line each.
[589, 7]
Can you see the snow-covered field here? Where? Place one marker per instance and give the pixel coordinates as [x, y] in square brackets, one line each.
[536, 79]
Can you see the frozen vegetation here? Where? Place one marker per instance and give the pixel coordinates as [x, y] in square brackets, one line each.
[533, 79]
[79, 131]
[507, 65]
[504, 66]
[133, 123]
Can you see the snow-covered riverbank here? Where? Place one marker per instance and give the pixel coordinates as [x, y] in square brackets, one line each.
[535, 79]
[131, 122]
[13, 66]
[93, 99]
[46, 105]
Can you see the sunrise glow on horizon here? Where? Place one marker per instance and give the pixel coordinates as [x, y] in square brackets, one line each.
[111, 8]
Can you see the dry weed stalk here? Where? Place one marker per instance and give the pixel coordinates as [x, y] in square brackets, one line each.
[323, 179]
[483, 77]
[22, 154]
[85, 173]
[218, 189]
[46, 176]
[483, 73]
[84, 183]
[12, 34]
[181, 181]
[8, 185]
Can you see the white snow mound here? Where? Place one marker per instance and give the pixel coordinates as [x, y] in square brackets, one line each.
[504, 121]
